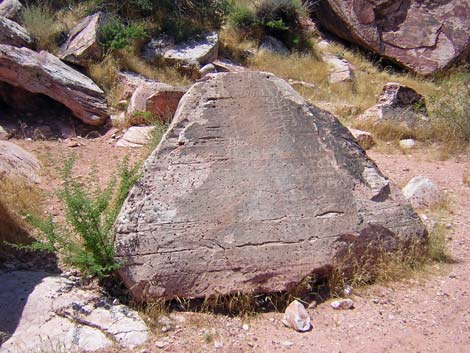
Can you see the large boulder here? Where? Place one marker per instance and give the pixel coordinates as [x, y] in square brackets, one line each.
[421, 35]
[12, 33]
[157, 98]
[10, 9]
[198, 51]
[398, 105]
[82, 44]
[44, 73]
[44, 312]
[251, 190]
[15, 163]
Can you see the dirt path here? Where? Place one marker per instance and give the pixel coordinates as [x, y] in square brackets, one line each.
[430, 314]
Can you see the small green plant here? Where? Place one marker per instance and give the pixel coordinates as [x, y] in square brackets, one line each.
[85, 239]
[242, 17]
[115, 35]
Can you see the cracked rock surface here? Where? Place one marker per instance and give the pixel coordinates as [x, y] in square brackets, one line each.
[422, 35]
[251, 190]
[48, 313]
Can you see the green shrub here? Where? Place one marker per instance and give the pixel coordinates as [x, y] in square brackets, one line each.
[40, 22]
[115, 35]
[242, 17]
[85, 239]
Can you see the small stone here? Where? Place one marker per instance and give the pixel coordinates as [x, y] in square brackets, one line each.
[245, 327]
[287, 343]
[312, 305]
[160, 344]
[348, 290]
[407, 144]
[218, 344]
[297, 317]
[342, 304]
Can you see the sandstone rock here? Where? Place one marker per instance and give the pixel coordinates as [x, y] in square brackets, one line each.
[422, 192]
[44, 73]
[11, 33]
[136, 137]
[407, 144]
[342, 304]
[296, 317]
[82, 45]
[340, 69]
[199, 51]
[301, 83]
[158, 99]
[273, 45]
[4, 134]
[225, 65]
[57, 314]
[398, 104]
[16, 162]
[423, 36]
[251, 190]
[364, 138]
[129, 81]
[207, 69]
[10, 9]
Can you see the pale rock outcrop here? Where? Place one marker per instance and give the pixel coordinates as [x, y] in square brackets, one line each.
[340, 69]
[398, 104]
[10, 9]
[200, 51]
[158, 99]
[15, 162]
[423, 36]
[136, 137]
[364, 138]
[251, 190]
[44, 73]
[296, 317]
[128, 81]
[407, 144]
[59, 315]
[11, 33]
[82, 44]
[273, 45]
[422, 192]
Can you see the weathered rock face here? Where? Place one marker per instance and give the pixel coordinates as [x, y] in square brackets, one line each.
[82, 44]
[16, 162]
[58, 315]
[198, 51]
[398, 104]
[10, 9]
[421, 35]
[251, 190]
[44, 73]
[12, 33]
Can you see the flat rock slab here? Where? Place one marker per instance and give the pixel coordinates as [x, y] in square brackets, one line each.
[136, 137]
[44, 73]
[49, 313]
[12, 33]
[251, 190]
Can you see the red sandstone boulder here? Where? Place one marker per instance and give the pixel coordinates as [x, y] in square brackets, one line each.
[421, 35]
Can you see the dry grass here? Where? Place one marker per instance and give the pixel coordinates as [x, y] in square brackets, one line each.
[16, 198]
[466, 177]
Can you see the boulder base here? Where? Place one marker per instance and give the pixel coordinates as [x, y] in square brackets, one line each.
[251, 190]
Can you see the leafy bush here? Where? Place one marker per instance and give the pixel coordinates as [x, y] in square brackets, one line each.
[242, 16]
[40, 22]
[115, 35]
[85, 240]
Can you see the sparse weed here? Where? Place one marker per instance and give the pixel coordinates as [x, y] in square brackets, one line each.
[39, 20]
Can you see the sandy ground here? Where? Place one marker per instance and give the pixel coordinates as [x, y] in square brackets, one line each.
[430, 313]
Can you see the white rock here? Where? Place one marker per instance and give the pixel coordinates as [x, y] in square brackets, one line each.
[207, 69]
[296, 317]
[273, 45]
[342, 304]
[136, 137]
[202, 51]
[10, 8]
[16, 162]
[12, 33]
[340, 69]
[53, 313]
[407, 144]
[422, 192]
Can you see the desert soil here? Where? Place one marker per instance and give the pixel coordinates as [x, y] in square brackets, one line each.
[428, 313]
